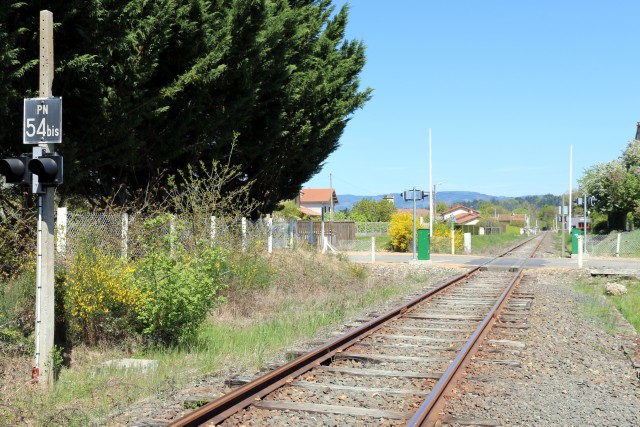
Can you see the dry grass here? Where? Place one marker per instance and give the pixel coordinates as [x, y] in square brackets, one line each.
[295, 295]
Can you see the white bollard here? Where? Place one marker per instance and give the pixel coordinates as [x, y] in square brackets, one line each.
[579, 251]
[373, 249]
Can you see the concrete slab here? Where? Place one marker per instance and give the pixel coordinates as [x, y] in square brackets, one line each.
[143, 365]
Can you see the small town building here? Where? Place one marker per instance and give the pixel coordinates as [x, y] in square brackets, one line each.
[462, 215]
[312, 201]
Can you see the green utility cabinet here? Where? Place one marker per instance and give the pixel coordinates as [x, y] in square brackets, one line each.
[423, 244]
[575, 232]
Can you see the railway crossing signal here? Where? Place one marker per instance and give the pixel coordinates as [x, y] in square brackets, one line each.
[15, 169]
[48, 167]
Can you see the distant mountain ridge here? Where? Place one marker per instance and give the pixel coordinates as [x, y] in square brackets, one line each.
[346, 201]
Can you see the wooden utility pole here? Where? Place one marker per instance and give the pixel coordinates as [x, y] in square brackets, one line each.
[45, 293]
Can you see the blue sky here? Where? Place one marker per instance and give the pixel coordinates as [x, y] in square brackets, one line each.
[506, 87]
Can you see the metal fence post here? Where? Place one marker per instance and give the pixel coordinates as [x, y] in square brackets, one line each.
[618, 244]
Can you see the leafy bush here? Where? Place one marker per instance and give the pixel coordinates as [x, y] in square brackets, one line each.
[101, 299]
[367, 210]
[181, 289]
[441, 239]
[401, 231]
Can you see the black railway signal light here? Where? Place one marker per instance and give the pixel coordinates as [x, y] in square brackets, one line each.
[15, 169]
[48, 167]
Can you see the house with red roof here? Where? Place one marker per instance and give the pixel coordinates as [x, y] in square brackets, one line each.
[462, 215]
[312, 201]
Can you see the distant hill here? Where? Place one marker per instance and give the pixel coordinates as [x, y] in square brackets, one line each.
[449, 197]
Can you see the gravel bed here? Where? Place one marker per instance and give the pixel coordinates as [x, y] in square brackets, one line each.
[571, 372]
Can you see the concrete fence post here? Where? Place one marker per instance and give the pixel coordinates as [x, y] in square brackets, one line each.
[124, 234]
[373, 249]
[244, 235]
[270, 238]
[61, 241]
[213, 230]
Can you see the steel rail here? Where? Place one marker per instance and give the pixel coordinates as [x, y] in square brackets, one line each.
[242, 397]
[427, 413]
[227, 405]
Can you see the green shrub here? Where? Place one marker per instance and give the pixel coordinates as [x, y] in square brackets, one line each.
[182, 288]
[441, 239]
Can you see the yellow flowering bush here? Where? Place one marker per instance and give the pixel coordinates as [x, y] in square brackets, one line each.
[101, 299]
[401, 231]
[441, 239]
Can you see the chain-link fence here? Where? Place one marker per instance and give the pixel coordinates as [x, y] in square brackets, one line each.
[130, 236]
[624, 244]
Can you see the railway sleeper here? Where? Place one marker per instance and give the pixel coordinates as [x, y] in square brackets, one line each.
[449, 420]
[332, 409]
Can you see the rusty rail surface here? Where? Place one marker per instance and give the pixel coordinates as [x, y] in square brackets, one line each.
[427, 414]
[223, 407]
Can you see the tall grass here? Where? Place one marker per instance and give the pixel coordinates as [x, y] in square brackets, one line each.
[493, 244]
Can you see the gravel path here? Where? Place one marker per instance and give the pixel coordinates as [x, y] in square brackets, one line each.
[571, 372]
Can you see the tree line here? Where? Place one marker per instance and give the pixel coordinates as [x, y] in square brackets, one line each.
[616, 187]
[149, 88]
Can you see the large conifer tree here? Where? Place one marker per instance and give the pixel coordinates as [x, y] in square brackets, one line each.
[151, 86]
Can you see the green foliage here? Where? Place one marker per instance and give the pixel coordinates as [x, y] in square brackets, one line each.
[288, 210]
[17, 302]
[16, 234]
[340, 216]
[367, 210]
[154, 86]
[182, 288]
[616, 186]
[490, 210]
[401, 231]
[441, 238]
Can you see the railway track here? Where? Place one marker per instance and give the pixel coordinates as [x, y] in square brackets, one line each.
[392, 370]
